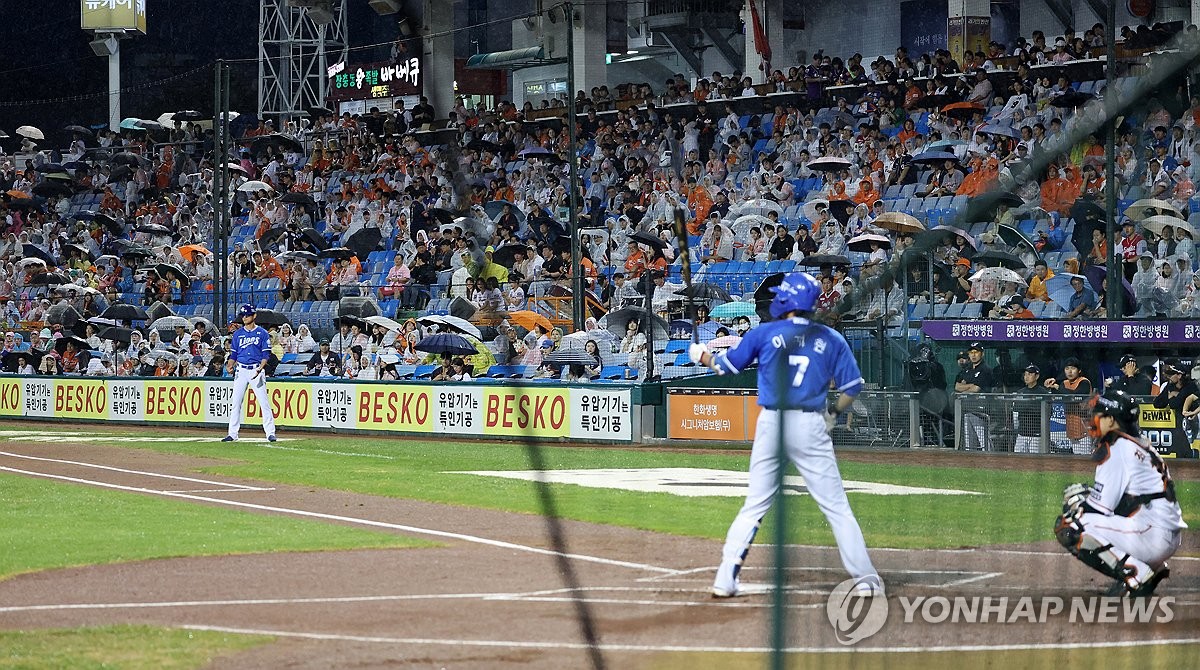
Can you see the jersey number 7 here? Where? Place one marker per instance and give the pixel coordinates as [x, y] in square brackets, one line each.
[800, 363]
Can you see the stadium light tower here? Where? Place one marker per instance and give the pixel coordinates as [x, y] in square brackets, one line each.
[297, 39]
[110, 22]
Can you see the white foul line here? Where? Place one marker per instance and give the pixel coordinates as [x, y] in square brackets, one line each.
[354, 520]
[133, 472]
[520, 644]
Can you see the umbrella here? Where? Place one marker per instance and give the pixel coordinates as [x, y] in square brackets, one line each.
[30, 132]
[296, 198]
[618, 321]
[119, 173]
[446, 343]
[209, 326]
[679, 329]
[934, 157]
[170, 323]
[724, 342]
[649, 239]
[1096, 275]
[48, 279]
[999, 274]
[811, 209]
[275, 141]
[320, 111]
[759, 206]
[364, 241]
[528, 319]
[1000, 258]
[1156, 224]
[138, 251]
[496, 207]
[829, 164]
[123, 312]
[538, 153]
[962, 110]
[707, 330]
[1071, 99]
[999, 129]
[944, 231]
[447, 322]
[270, 317]
[505, 255]
[744, 223]
[187, 115]
[483, 145]
[48, 189]
[75, 165]
[109, 222]
[1147, 207]
[147, 124]
[128, 158]
[12, 358]
[337, 252]
[106, 260]
[87, 132]
[236, 167]
[942, 145]
[254, 185]
[817, 260]
[863, 242]
[64, 314]
[49, 167]
[1015, 238]
[570, 356]
[100, 322]
[60, 345]
[441, 215]
[352, 320]
[732, 310]
[297, 255]
[60, 176]
[170, 271]
[360, 310]
[841, 209]
[764, 294]
[315, 238]
[117, 334]
[932, 101]
[387, 323]
[705, 291]
[33, 251]
[189, 251]
[899, 222]
[154, 229]
[25, 262]
[1059, 288]
[17, 195]
[157, 311]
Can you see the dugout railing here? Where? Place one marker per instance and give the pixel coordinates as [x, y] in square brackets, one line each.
[1022, 422]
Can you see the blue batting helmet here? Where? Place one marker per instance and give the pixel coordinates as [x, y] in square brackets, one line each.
[797, 293]
[246, 310]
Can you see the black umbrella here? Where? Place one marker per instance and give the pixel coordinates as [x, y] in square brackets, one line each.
[570, 356]
[13, 357]
[109, 222]
[705, 291]
[995, 257]
[618, 321]
[1071, 99]
[763, 295]
[364, 241]
[352, 320]
[447, 343]
[48, 279]
[300, 255]
[50, 167]
[505, 255]
[934, 100]
[130, 159]
[124, 312]
[120, 173]
[649, 239]
[137, 251]
[154, 229]
[60, 345]
[76, 165]
[841, 210]
[270, 236]
[63, 314]
[441, 215]
[817, 260]
[296, 198]
[275, 141]
[117, 334]
[169, 271]
[320, 111]
[87, 132]
[338, 253]
[187, 115]
[314, 238]
[34, 251]
[483, 145]
[269, 317]
[1096, 275]
[48, 189]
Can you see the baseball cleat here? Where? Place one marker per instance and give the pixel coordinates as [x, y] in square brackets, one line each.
[868, 590]
[270, 438]
[1146, 588]
[229, 438]
[720, 592]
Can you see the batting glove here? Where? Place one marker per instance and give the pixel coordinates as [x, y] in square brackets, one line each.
[696, 352]
[1073, 498]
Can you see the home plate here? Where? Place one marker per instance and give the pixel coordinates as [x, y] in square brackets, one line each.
[694, 482]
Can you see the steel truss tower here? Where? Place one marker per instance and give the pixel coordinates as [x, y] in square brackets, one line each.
[297, 41]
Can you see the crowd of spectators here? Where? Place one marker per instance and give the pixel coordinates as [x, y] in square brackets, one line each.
[378, 205]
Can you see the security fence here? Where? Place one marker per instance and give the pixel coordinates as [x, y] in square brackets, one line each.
[1032, 423]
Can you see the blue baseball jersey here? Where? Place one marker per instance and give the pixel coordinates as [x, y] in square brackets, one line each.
[797, 360]
[251, 347]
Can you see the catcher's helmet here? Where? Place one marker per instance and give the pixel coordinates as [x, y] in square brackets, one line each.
[246, 310]
[797, 293]
[1117, 404]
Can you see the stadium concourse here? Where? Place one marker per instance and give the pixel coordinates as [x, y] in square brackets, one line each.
[106, 269]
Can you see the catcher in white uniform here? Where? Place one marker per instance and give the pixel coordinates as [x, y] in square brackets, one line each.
[1128, 523]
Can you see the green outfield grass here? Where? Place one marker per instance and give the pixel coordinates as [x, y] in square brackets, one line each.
[124, 647]
[50, 524]
[1014, 506]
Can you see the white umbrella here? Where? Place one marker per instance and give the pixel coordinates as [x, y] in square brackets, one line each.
[387, 323]
[829, 164]
[760, 206]
[165, 120]
[1155, 224]
[453, 322]
[255, 185]
[863, 242]
[743, 224]
[999, 274]
[25, 262]
[1148, 207]
[31, 133]
[809, 209]
[236, 167]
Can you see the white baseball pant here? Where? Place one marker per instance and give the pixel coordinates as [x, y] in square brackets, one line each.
[244, 376]
[809, 447]
[1148, 546]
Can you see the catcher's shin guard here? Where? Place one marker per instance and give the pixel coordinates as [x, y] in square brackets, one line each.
[1092, 553]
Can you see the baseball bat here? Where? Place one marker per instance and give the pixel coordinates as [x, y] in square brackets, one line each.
[685, 268]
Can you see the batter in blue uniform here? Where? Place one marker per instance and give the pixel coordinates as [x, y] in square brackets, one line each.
[798, 361]
[249, 351]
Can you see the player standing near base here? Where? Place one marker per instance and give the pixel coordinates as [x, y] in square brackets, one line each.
[1128, 523]
[797, 359]
[249, 351]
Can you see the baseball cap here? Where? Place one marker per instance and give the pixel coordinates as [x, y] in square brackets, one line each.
[1033, 368]
[324, 342]
[963, 261]
[546, 344]
[1072, 362]
[975, 346]
[961, 354]
[1127, 358]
